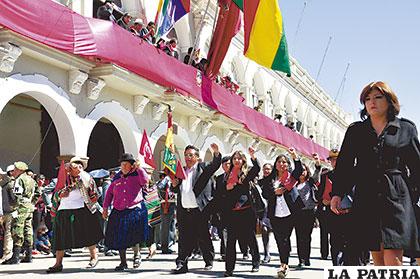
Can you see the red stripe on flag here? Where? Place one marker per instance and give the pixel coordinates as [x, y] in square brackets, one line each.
[186, 5]
[250, 10]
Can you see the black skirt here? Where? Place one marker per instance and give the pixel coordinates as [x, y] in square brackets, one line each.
[76, 228]
[126, 228]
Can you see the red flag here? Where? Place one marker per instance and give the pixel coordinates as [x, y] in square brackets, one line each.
[146, 150]
[228, 25]
[180, 173]
[61, 177]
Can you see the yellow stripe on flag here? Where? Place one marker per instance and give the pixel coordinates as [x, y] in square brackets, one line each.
[266, 33]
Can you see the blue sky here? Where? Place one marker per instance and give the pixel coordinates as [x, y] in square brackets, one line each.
[380, 38]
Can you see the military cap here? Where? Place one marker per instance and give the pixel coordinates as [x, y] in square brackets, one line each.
[21, 165]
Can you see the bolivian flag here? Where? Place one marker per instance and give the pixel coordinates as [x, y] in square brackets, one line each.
[170, 161]
[265, 41]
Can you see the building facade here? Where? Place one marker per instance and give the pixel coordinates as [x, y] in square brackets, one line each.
[57, 105]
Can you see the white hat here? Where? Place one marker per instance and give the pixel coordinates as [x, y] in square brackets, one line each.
[2, 172]
[10, 168]
[83, 160]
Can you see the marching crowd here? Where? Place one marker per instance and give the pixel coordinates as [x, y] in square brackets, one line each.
[366, 202]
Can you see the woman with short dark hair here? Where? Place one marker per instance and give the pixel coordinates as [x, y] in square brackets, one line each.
[380, 155]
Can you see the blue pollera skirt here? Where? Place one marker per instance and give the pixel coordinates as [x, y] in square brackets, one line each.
[126, 228]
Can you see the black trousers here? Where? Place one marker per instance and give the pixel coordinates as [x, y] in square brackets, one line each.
[304, 224]
[330, 225]
[282, 229]
[193, 229]
[241, 225]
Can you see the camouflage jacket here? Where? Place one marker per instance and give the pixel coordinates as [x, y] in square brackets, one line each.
[26, 192]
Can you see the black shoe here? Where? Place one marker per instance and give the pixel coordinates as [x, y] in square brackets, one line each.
[228, 273]
[307, 263]
[67, 254]
[28, 255]
[180, 269]
[15, 259]
[208, 267]
[55, 269]
[167, 252]
[245, 257]
[255, 268]
[121, 267]
[266, 260]
[222, 258]
[324, 257]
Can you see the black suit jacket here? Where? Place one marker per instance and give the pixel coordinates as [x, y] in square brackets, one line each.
[202, 182]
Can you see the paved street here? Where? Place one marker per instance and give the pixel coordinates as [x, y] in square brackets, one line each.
[161, 265]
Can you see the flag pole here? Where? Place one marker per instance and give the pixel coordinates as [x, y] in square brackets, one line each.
[199, 32]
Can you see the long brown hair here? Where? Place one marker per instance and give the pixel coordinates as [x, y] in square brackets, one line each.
[244, 168]
[391, 97]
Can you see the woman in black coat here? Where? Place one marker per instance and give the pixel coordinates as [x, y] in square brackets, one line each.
[380, 156]
[283, 203]
[241, 219]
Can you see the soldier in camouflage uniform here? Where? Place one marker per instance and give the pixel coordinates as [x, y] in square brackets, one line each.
[24, 189]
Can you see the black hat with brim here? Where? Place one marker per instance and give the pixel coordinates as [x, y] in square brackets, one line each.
[127, 157]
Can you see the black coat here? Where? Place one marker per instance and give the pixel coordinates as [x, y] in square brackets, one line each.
[226, 199]
[379, 168]
[202, 182]
[268, 192]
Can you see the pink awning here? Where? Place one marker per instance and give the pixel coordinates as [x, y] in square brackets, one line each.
[54, 25]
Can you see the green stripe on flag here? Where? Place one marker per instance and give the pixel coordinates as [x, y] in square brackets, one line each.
[239, 3]
[281, 60]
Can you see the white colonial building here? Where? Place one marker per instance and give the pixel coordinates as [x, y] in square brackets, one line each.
[56, 105]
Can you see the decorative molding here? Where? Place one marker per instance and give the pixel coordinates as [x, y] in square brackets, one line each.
[94, 88]
[9, 53]
[256, 143]
[227, 135]
[157, 111]
[234, 137]
[206, 127]
[193, 122]
[140, 102]
[76, 80]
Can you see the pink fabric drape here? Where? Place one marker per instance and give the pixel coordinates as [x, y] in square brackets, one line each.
[54, 25]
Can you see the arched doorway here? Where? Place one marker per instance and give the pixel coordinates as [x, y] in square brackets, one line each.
[28, 134]
[105, 146]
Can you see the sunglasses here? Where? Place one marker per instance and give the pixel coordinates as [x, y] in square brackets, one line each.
[189, 155]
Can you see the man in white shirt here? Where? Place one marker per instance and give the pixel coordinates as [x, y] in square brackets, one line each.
[194, 194]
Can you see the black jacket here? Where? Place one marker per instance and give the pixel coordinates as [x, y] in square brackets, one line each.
[384, 169]
[293, 202]
[227, 199]
[321, 187]
[202, 182]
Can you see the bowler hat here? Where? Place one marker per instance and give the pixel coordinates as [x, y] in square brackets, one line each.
[127, 157]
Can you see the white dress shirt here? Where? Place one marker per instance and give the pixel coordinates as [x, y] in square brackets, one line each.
[282, 210]
[188, 199]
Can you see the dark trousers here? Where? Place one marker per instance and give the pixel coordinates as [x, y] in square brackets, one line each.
[282, 229]
[304, 224]
[193, 228]
[241, 225]
[330, 226]
[167, 226]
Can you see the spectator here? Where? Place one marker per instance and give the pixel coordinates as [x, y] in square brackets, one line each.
[148, 32]
[195, 62]
[259, 107]
[105, 12]
[136, 27]
[170, 48]
[124, 21]
[202, 66]
[42, 242]
[161, 43]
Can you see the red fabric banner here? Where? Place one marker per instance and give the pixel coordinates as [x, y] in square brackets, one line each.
[54, 25]
[228, 25]
[146, 150]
